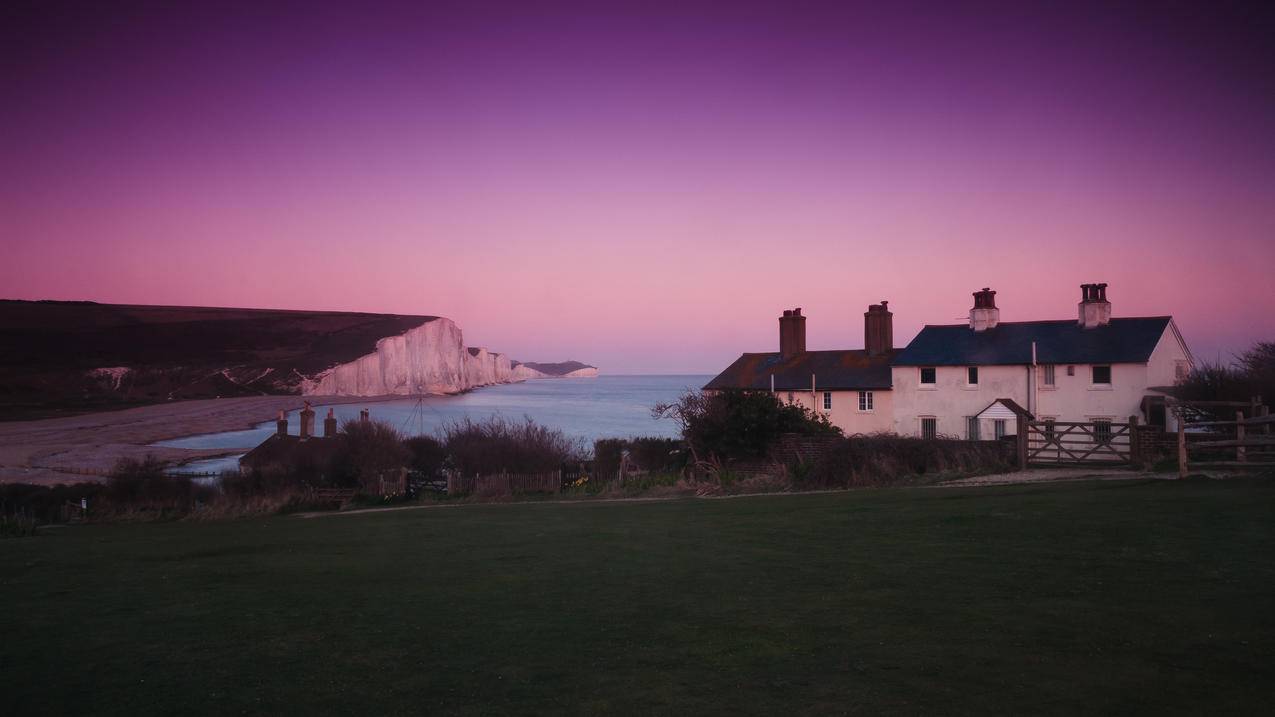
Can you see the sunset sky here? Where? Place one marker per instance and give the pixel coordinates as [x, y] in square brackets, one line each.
[645, 188]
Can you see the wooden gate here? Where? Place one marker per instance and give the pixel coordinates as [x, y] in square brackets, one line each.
[1060, 443]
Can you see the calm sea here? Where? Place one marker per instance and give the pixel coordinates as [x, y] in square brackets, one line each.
[584, 408]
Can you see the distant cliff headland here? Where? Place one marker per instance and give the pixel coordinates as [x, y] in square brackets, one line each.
[59, 357]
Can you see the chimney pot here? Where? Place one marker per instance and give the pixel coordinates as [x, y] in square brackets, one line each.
[1094, 308]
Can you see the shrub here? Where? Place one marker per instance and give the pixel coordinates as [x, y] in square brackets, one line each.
[1252, 374]
[887, 459]
[142, 484]
[733, 425]
[496, 445]
[367, 449]
[17, 526]
[428, 455]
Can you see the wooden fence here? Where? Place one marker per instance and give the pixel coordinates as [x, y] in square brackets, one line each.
[1250, 437]
[504, 483]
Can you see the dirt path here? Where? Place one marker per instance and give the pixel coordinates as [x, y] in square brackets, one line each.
[53, 450]
[1049, 475]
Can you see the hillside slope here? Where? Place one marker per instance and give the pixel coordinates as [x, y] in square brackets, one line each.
[67, 357]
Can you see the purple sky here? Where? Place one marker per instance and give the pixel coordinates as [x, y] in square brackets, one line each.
[645, 188]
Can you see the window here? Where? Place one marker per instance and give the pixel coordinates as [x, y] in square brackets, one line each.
[929, 427]
[1102, 375]
[1049, 429]
[1048, 371]
[971, 428]
[1102, 431]
[1071, 370]
[971, 375]
[790, 397]
[827, 400]
[865, 401]
[1181, 370]
[929, 376]
[998, 428]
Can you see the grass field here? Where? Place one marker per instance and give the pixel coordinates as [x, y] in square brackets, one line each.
[1120, 597]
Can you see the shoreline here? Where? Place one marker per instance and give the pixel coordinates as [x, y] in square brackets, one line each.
[82, 447]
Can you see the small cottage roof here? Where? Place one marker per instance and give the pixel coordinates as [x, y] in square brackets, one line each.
[833, 370]
[1006, 408]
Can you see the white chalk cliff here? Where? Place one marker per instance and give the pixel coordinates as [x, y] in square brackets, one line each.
[431, 358]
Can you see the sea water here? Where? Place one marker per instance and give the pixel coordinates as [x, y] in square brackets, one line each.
[583, 408]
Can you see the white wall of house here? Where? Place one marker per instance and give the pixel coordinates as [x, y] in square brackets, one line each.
[1078, 398]
[952, 400]
[845, 413]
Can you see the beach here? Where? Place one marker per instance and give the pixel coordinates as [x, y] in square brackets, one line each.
[83, 448]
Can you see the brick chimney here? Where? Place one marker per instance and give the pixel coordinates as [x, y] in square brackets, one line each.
[792, 333]
[984, 315]
[307, 421]
[1095, 310]
[329, 425]
[281, 424]
[878, 329]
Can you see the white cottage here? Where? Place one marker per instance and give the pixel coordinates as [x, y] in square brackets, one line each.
[950, 380]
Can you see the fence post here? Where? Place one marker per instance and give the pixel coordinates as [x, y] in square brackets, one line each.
[1240, 454]
[1181, 446]
[1022, 442]
[1135, 445]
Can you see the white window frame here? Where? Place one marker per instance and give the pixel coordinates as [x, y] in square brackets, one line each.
[920, 427]
[866, 402]
[1050, 428]
[998, 428]
[827, 400]
[920, 378]
[1048, 377]
[1111, 377]
[967, 377]
[1181, 369]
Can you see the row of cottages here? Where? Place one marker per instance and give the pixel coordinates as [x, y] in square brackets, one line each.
[972, 380]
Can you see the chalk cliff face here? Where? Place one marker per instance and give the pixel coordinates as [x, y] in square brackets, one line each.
[431, 358]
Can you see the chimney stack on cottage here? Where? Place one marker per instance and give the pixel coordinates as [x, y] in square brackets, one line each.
[792, 333]
[878, 329]
[984, 315]
[1095, 310]
[307, 421]
[281, 424]
[329, 425]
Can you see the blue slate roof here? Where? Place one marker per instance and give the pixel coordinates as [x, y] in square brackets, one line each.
[1125, 340]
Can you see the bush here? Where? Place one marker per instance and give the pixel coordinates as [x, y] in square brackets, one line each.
[134, 483]
[17, 526]
[496, 445]
[1252, 374]
[734, 425]
[888, 459]
[44, 504]
[367, 450]
[428, 455]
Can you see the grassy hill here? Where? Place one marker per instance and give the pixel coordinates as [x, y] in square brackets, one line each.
[1132, 597]
[58, 357]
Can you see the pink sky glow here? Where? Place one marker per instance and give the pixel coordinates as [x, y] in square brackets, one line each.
[643, 189]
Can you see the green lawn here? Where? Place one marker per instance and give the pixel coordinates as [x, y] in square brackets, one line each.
[1086, 597]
